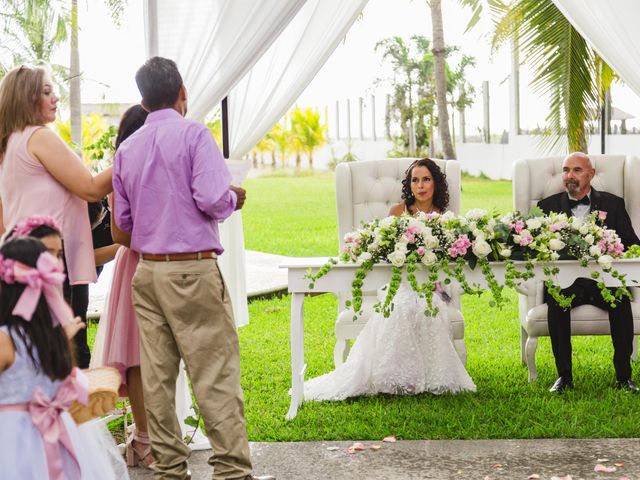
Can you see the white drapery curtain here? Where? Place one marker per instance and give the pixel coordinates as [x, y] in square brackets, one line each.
[264, 95]
[611, 27]
[214, 43]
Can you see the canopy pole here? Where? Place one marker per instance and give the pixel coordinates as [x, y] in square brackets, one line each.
[151, 26]
[225, 128]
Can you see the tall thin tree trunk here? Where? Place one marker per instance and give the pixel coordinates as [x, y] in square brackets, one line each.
[75, 102]
[441, 81]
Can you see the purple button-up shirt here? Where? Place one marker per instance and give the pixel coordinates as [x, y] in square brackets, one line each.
[171, 186]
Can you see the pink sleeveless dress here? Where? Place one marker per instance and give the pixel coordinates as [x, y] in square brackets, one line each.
[27, 188]
[121, 349]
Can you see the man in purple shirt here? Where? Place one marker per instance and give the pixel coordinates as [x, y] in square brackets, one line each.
[171, 188]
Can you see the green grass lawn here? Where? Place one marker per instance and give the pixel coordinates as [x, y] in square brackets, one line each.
[296, 217]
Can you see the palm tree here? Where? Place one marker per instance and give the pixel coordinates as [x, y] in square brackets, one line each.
[566, 69]
[280, 135]
[309, 130]
[32, 30]
[439, 54]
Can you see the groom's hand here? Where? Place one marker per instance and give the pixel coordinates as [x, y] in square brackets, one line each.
[241, 194]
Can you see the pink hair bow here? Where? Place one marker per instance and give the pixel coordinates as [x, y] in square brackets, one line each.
[45, 415]
[45, 279]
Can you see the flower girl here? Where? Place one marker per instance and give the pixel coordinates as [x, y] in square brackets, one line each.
[38, 382]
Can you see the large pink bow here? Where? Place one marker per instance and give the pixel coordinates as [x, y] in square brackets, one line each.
[45, 279]
[45, 415]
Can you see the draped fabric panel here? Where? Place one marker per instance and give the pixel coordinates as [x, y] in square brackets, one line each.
[264, 95]
[214, 42]
[611, 27]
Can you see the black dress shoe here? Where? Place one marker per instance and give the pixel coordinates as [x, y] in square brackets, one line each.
[627, 385]
[562, 384]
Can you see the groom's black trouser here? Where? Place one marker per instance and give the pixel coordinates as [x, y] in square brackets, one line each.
[586, 292]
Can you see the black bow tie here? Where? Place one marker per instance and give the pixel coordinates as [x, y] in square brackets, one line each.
[584, 201]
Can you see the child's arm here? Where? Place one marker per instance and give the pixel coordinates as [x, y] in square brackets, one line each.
[104, 254]
[7, 352]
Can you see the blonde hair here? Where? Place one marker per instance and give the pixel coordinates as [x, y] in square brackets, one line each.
[20, 93]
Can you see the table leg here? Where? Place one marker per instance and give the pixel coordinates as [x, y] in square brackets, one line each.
[298, 366]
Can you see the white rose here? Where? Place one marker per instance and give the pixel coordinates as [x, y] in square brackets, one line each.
[534, 223]
[491, 224]
[576, 223]
[397, 258]
[401, 247]
[429, 258]
[584, 229]
[554, 256]
[477, 233]
[594, 250]
[364, 256]
[517, 238]
[447, 216]
[605, 261]
[386, 222]
[463, 221]
[505, 252]
[556, 244]
[431, 242]
[589, 239]
[476, 213]
[416, 224]
[481, 249]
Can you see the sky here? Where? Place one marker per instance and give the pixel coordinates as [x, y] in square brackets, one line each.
[110, 55]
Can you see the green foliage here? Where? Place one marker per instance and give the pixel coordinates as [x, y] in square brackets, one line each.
[566, 69]
[95, 133]
[308, 131]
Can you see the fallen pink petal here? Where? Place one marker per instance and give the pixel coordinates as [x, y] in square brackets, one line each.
[604, 469]
[390, 439]
[375, 447]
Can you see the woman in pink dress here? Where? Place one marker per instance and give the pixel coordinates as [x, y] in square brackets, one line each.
[41, 175]
[121, 348]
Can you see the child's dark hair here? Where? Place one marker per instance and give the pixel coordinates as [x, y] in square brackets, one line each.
[47, 346]
[44, 231]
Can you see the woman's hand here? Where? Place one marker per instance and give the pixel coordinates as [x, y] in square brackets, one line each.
[73, 326]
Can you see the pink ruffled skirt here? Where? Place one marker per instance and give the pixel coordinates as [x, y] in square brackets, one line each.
[121, 348]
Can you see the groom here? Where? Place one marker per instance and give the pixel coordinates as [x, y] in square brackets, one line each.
[171, 188]
[579, 199]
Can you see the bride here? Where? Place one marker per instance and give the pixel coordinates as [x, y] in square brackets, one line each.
[408, 352]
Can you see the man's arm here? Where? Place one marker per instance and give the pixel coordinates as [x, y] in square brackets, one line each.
[121, 206]
[211, 180]
[624, 227]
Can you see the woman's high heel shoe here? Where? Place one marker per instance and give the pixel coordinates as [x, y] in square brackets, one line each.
[139, 450]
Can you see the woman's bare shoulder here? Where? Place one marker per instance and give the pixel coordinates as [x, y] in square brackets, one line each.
[7, 351]
[397, 209]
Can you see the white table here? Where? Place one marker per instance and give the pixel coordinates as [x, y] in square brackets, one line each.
[340, 277]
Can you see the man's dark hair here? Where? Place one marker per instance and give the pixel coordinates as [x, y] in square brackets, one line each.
[159, 83]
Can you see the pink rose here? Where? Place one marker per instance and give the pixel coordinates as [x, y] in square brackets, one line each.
[602, 215]
[421, 251]
[410, 237]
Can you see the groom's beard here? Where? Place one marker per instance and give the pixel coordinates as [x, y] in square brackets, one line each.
[572, 186]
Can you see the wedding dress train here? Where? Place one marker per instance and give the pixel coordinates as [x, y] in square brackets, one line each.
[406, 353]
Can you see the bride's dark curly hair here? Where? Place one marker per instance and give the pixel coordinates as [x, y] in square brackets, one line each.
[440, 192]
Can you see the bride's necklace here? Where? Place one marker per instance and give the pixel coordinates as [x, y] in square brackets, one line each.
[419, 210]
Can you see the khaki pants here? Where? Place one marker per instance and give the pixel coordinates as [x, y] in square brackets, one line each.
[184, 310]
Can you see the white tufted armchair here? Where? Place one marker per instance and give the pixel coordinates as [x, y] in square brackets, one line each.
[366, 190]
[538, 178]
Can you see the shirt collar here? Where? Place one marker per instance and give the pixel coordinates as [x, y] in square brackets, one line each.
[162, 114]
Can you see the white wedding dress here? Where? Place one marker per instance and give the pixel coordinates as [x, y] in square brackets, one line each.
[405, 354]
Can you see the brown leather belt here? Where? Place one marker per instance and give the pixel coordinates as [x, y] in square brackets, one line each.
[177, 257]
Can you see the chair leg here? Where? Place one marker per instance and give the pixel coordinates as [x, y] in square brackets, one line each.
[523, 342]
[634, 354]
[461, 350]
[530, 350]
[340, 351]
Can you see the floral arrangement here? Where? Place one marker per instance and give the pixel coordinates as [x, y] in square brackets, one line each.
[446, 243]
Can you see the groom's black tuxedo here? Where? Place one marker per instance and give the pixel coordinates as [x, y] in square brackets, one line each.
[587, 293]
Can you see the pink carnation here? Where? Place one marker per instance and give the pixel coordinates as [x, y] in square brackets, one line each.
[557, 226]
[526, 239]
[29, 224]
[518, 226]
[459, 247]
